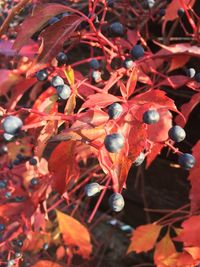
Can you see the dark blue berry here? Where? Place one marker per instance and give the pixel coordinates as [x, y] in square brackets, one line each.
[128, 63]
[162, 12]
[20, 156]
[92, 189]
[62, 58]
[139, 160]
[12, 124]
[63, 91]
[116, 202]
[19, 199]
[115, 110]
[177, 133]
[16, 161]
[151, 3]
[53, 20]
[117, 29]
[190, 72]
[186, 161]
[3, 150]
[137, 52]
[114, 142]
[94, 64]
[45, 246]
[8, 137]
[116, 63]
[10, 263]
[110, 3]
[42, 75]
[57, 81]
[180, 12]
[2, 227]
[3, 184]
[197, 77]
[34, 181]
[96, 76]
[33, 161]
[151, 116]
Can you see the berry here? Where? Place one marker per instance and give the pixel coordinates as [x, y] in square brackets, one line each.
[94, 64]
[2, 227]
[33, 161]
[190, 72]
[16, 161]
[12, 124]
[116, 63]
[42, 75]
[10, 263]
[63, 91]
[8, 194]
[110, 3]
[186, 161]
[34, 181]
[114, 142]
[19, 199]
[115, 110]
[150, 3]
[180, 12]
[128, 63]
[53, 20]
[62, 58]
[177, 133]
[116, 29]
[151, 116]
[8, 137]
[92, 189]
[18, 255]
[45, 246]
[57, 81]
[116, 202]
[139, 160]
[96, 76]
[197, 77]
[3, 184]
[3, 150]
[20, 156]
[137, 52]
[162, 12]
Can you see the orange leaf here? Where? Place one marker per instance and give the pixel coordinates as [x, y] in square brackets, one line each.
[74, 234]
[45, 263]
[63, 165]
[144, 238]
[165, 252]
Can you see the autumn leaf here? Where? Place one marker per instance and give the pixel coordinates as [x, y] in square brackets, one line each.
[35, 22]
[100, 100]
[46, 263]
[190, 235]
[144, 238]
[64, 157]
[74, 234]
[165, 252]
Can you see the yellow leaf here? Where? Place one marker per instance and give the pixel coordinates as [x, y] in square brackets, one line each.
[144, 238]
[74, 234]
[69, 73]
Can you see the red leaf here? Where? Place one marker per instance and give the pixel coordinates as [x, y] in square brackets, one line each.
[46, 263]
[187, 108]
[178, 62]
[8, 78]
[155, 151]
[35, 22]
[172, 8]
[158, 132]
[100, 100]
[144, 238]
[190, 235]
[194, 179]
[175, 81]
[53, 38]
[131, 83]
[74, 234]
[28, 50]
[62, 164]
